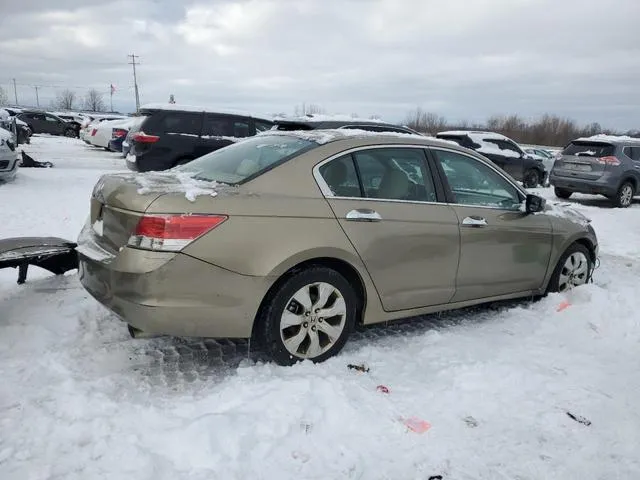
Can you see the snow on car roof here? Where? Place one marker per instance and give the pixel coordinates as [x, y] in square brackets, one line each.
[608, 139]
[197, 108]
[476, 134]
[322, 136]
[321, 117]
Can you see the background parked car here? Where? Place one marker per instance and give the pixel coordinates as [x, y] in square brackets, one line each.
[119, 136]
[45, 122]
[315, 122]
[173, 134]
[8, 156]
[603, 165]
[103, 132]
[22, 130]
[502, 151]
[316, 232]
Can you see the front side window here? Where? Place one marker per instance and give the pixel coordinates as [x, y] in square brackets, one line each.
[241, 128]
[474, 183]
[395, 174]
[248, 158]
[52, 119]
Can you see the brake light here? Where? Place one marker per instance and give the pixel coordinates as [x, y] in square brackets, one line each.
[609, 161]
[118, 132]
[93, 132]
[142, 137]
[171, 233]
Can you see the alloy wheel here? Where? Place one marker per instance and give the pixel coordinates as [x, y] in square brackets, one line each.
[313, 320]
[626, 195]
[575, 272]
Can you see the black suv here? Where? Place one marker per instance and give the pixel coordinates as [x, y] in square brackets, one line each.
[316, 122]
[503, 152]
[173, 135]
[45, 122]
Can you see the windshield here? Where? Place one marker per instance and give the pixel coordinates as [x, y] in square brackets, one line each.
[247, 158]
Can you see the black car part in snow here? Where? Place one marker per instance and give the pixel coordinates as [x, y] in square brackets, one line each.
[56, 255]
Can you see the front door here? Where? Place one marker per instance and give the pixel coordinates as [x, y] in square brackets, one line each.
[502, 249]
[386, 203]
[55, 126]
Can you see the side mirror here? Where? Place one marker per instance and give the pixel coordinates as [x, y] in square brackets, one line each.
[534, 204]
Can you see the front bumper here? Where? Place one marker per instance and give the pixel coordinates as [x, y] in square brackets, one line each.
[8, 167]
[173, 294]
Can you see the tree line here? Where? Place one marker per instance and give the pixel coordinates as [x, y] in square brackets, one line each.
[549, 130]
[69, 100]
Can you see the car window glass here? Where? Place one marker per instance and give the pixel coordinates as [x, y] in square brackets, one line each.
[635, 153]
[182, 122]
[217, 126]
[262, 126]
[52, 119]
[341, 178]
[589, 149]
[474, 183]
[395, 174]
[241, 128]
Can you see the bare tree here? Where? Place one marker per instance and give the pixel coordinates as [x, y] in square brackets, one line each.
[425, 122]
[93, 101]
[4, 99]
[65, 99]
[308, 109]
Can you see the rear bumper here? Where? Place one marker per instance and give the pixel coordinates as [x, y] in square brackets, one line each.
[173, 294]
[604, 185]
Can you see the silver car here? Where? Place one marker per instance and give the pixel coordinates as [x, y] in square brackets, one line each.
[8, 156]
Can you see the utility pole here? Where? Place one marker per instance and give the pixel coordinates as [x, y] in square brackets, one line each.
[37, 97]
[15, 91]
[135, 80]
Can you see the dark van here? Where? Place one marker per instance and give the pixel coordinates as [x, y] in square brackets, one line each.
[173, 135]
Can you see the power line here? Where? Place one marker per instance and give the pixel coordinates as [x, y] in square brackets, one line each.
[135, 80]
[25, 57]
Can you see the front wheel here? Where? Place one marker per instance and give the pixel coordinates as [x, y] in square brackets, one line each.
[531, 178]
[309, 316]
[562, 193]
[573, 269]
[625, 195]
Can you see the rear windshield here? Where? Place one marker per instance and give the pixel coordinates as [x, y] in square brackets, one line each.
[246, 159]
[589, 149]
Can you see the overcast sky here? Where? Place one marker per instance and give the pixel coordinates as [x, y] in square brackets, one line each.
[464, 59]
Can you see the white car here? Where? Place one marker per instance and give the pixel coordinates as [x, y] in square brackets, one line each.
[102, 133]
[92, 121]
[8, 156]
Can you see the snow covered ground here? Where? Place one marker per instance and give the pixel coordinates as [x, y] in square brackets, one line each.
[80, 400]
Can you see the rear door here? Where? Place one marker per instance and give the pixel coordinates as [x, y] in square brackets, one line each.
[219, 131]
[584, 160]
[387, 204]
[502, 250]
[178, 134]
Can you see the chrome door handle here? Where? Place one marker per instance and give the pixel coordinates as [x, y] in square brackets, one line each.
[363, 215]
[474, 221]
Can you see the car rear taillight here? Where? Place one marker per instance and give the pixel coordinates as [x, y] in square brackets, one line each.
[609, 161]
[171, 233]
[142, 137]
[118, 132]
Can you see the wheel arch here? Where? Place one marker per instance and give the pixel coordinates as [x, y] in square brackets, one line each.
[575, 239]
[345, 268]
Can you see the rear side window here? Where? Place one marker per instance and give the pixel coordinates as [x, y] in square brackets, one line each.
[589, 149]
[188, 123]
[635, 153]
[262, 126]
[341, 177]
[241, 128]
[246, 159]
[395, 174]
[217, 126]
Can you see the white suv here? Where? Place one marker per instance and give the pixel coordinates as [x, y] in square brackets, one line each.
[8, 156]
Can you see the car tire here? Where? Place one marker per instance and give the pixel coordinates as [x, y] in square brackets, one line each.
[624, 196]
[531, 178]
[290, 325]
[573, 269]
[562, 193]
[70, 133]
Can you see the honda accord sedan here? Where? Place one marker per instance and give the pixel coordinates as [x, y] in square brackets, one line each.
[294, 238]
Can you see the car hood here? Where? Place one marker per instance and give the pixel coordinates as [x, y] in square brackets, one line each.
[565, 211]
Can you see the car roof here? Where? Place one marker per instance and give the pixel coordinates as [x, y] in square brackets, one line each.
[174, 107]
[611, 139]
[331, 123]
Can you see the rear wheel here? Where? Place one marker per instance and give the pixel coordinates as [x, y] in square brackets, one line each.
[531, 178]
[625, 195]
[308, 316]
[70, 132]
[573, 269]
[562, 193]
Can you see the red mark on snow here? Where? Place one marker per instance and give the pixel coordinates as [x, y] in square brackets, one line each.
[564, 305]
[382, 389]
[417, 425]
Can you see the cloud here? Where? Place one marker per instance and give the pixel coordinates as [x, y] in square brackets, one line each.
[465, 59]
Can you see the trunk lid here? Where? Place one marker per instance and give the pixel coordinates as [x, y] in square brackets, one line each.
[581, 160]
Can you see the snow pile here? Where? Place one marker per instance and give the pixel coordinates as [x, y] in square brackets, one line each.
[175, 182]
[320, 117]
